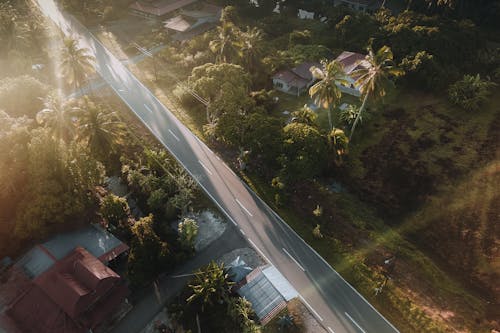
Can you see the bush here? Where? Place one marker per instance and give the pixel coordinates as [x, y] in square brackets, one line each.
[188, 230]
[185, 98]
[470, 92]
[114, 209]
[22, 96]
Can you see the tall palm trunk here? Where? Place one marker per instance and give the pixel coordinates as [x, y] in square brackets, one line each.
[361, 109]
[330, 117]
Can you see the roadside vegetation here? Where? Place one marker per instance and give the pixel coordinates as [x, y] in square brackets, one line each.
[60, 143]
[398, 191]
[425, 126]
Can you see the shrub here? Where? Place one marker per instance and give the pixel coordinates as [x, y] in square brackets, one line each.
[470, 92]
[188, 230]
[114, 209]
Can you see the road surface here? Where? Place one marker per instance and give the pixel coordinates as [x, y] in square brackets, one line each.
[337, 305]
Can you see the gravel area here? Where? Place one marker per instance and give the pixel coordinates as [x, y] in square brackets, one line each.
[307, 321]
[210, 227]
[248, 255]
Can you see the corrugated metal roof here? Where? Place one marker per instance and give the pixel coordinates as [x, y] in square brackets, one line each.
[280, 283]
[93, 238]
[35, 262]
[161, 7]
[262, 294]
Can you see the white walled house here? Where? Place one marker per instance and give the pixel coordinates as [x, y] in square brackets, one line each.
[295, 81]
[351, 62]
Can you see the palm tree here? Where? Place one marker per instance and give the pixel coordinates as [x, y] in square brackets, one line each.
[76, 62]
[326, 92]
[251, 47]
[349, 113]
[339, 144]
[58, 116]
[374, 76]
[305, 115]
[210, 285]
[226, 44]
[100, 129]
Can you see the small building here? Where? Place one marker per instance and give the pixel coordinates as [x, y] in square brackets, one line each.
[157, 8]
[190, 23]
[351, 62]
[368, 6]
[295, 81]
[265, 288]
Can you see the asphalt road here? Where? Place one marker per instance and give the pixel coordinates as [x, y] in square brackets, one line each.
[337, 305]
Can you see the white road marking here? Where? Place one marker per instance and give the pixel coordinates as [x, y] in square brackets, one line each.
[330, 329]
[258, 250]
[244, 208]
[355, 323]
[121, 90]
[295, 261]
[147, 108]
[205, 167]
[217, 157]
[310, 308]
[234, 222]
[242, 232]
[175, 136]
[227, 167]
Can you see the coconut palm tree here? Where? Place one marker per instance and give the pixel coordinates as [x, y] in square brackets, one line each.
[76, 62]
[305, 115]
[339, 144]
[210, 285]
[374, 76]
[251, 47]
[58, 116]
[100, 129]
[226, 45]
[326, 92]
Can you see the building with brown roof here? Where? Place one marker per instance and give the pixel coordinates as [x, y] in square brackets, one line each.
[157, 8]
[296, 80]
[63, 285]
[75, 295]
[351, 62]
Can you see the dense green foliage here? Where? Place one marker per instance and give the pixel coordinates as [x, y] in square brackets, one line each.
[470, 92]
[149, 255]
[188, 230]
[209, 298]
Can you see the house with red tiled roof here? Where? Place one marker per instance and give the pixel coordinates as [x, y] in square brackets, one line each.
[157, 8]
[74, 295]
[295, 81]
[351, 62]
